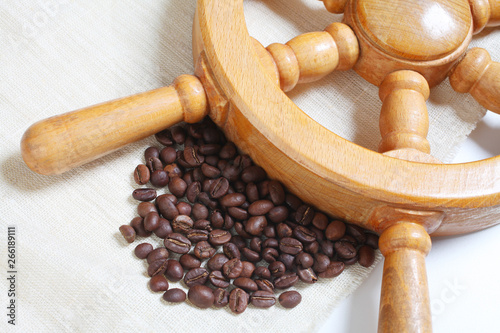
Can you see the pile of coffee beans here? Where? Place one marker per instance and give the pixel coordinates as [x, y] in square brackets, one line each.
[231, 235]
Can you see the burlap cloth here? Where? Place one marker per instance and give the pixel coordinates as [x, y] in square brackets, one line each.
[74, 270]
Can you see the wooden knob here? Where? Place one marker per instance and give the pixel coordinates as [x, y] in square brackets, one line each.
[59, 143]
[478, 75]
[335, 6]
[485, 13]
[404, 300]
[311, 56]
[404, 121]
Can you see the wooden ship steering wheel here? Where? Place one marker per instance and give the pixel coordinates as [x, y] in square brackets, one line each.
[401, 192]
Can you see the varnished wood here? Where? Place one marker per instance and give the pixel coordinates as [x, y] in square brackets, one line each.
[335, 6]
[478, 75]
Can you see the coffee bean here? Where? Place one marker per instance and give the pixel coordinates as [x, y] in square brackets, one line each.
[350, 261]
[238, 213]
[142, 250]
[173, 170]
[327, 247]
[193, 157]
[269, 231]
[320, 221]
[157, 254]
[210, 171]
[228, 151]
[232, 268]
[177, 187]
[231, 251]
[276, 192]
[277, 269]
[174, 295]
[240, 230]
[270, 254]
[263, 188]
[138, 224]
[192, 191]
[232, 200]
[270, 242]
[286, 281]
[262, 272]
[265, 284]
[307, 275]
[201, 296]
[210, 150]
[216, 262]
[189, 261]
[219, 237]
[182, 224]
[288, 260]
[145, 207]
[304, 234]
[196, 276]
[356, 232]
[321, 262]
[144, 194]
[345, 249]
[290, 299]
[319, 234]
[333, 269]
[304, 215]
[290, 245]
[253, 174]
[152, 221]
[168, 155]
[157, 267]
[158, 283]
[246, 284]
[372, 240]
[202, 225]
[154, 164]
[151, 152]
[256, 244]
[283, 230]
[366, 256]
[164, 228]
[255, 225]
[128, 233]
[263, 299]
[204, 199]
[238, 300]
[248, 269]
[230, 171]
[304, 260]
[312, 248]
[178, 134]
[218, 280]
[199, 212]
[335, 230]
[177, 243]
[164, 137]
[167, 207]
[141, 174]
[260, 207]
[243, 161]
[197, 235]
[221, 298]
[203, 250]
[159, 178]
[250, 255]
[252, 192]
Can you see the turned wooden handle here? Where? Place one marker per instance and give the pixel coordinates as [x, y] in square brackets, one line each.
[404, 301]
[59, 143]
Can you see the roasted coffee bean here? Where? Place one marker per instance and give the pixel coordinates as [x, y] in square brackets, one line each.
[197, 235]
[290, 245]
[240, 230]
[218, 280]
[304, 215]
[278, 214]
[210, 150]
[307, 275]
[239, 187]
[159, 178]
[221, 298]
[203, 250]
[154, 164]
[211, 134]
[182, 161]
[320, 221]
[263, 299]
[256, 244]
[350, 239]
[222, 164]
[238, 241]
[178, 134]
[174, 295]
[372, 240]
[304, 260]
[151, 152]
[304, 235]
[182, 224]
[199, 212]
[196, 276]
[141, 174]
[217, 219]
[288, 260]
[312, 248]
[173, 170]
[204, 199]
[188, 261]
[219, 237]
[164, 228]
[231, 250]
[144, 194]
[260, 207]
[263, 188]
[277, 269]
[252, 192]
[128, 233]
[238, 300]
[210, 171]
[265, 284]
[269, 231]
[283, 231]
[231, 172]
[250, 255]
[232, 268]
[262, 272]
[333, 269]
[177, 243]
[248, 269]
[293, 201]
[243, 161]
[201, 296]
[327, 247]
[291, 224]
[164, 137]
[276, 192]
[158, 283]
[192, 191]
[290, 299]
[205, 185]
[366, 256]
[255, 225]
[246, 284]
[167, 207]
[142, 250]
[335, 230]
[350, 261]
[184, 208]
[152, 221]
[253, 174]
[216, 262]
[319, 234]
[345, 249]
[232, 200]
[198, 175]
[157, 267]
[190, 142]
[196, 130]
[356, 232]
[238, 213]
[270, 254]
[138, 224]
[270, 242]
[146, 207]
[321, 262]
[193, 157]
[202, 225]
[177, 187]
[168, 155]
[157, 254]
[228, 151]
[286, 281]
